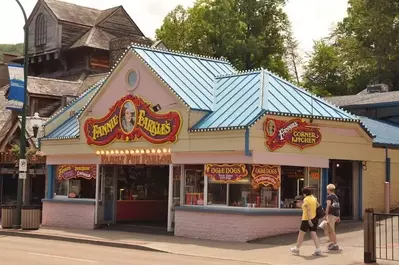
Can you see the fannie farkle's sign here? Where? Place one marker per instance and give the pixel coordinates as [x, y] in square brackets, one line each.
[130, 119]
[295, 132]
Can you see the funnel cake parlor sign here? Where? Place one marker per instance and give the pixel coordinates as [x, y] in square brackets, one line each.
[130, 119]
[295, 132]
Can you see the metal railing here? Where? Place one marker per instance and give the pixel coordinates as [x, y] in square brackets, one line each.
[381, 236]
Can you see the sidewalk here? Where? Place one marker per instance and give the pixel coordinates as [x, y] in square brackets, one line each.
[272, 251]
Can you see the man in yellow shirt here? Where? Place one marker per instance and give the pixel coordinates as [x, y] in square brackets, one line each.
[309, 222]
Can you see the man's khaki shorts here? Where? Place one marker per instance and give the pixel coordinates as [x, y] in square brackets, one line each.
[331, 220]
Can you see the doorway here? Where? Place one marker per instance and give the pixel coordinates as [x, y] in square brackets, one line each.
[341, 175]
[133, 197]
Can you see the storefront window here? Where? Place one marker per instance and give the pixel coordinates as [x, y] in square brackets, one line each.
[194, 185]
[253, 186]
[76, 181]
[313, 181]
[292, 183]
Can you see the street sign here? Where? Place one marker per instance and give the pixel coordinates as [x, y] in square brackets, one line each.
[23, 165]
[22, 175]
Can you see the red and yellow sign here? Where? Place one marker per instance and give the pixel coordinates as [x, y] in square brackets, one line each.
[267, 175]
[226, 172]
[295, 132]
[130, 119]
[67, 172]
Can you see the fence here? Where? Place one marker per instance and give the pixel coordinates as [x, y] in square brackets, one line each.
[381, 236]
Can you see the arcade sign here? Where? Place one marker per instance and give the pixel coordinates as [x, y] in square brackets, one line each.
[267, 175]
[132, 118]
[294, 132]
[226, 172]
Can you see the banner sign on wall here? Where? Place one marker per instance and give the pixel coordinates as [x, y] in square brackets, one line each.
[295, 132]
[130, 119]
[226, 172]
[15, 94]
[67, 172]
[267, 175]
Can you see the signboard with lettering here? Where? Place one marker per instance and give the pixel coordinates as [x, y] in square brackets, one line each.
[137, 159]
[67, 172]
[294, 132]
[226, 172]
[130, 119]
[267, 175]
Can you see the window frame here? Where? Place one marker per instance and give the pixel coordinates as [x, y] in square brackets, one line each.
[40, 30]
[68, 190]
[206, 192]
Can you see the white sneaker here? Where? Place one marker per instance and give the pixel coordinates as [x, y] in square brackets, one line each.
[294, 251]
[317, 252]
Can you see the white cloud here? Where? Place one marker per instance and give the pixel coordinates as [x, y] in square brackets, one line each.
[311, 19]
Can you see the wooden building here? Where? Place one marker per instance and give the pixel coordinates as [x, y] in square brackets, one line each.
[68, 41]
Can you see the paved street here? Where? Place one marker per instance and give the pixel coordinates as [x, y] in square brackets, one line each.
[27, 251]
[23, 248]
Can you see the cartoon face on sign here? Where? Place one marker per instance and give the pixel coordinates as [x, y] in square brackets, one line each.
[128, 116]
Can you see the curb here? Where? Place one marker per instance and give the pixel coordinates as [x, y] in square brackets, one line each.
[81, 241]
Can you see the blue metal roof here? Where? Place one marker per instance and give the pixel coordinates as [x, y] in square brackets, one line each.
[190, 77]
[70, 128]
[386, 133]
[67, 130]
[84, 96]
[242, 99]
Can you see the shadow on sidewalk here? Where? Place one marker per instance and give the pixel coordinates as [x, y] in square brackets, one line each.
[289, 239]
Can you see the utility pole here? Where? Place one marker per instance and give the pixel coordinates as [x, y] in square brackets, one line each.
[22, 145]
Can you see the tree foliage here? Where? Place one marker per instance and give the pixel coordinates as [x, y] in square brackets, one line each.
[293, 57]
[249, 33]
[365, 45]
[16, 49]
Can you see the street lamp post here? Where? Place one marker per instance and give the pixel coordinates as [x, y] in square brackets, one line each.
[22, 145]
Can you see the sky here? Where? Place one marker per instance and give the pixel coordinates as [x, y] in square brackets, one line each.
[311, 19]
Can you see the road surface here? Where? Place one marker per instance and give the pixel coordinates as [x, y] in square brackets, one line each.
[28, 251]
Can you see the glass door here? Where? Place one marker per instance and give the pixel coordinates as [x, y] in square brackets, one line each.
[176, 191]
[106, 196]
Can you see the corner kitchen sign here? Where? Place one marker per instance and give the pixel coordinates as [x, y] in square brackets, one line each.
[294, 132]
[132, 118]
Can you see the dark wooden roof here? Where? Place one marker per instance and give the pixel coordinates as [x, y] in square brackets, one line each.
[61, 88]
[94, 38]
[74, 13]
[52, 87]
[5, 116]
[365, 99]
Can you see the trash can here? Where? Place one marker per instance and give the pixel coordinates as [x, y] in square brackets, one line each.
[31, 217]
[8, 216]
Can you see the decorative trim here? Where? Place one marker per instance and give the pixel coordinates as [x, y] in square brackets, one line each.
[70, 104]
[180, 53]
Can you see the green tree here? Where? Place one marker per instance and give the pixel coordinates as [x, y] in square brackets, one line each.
[365, 45]
[249, 33]
[16, 49]
[293, 58]
[324, 73]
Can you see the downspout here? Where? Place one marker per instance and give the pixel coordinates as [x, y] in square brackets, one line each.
[387, 184]
[247, 151]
